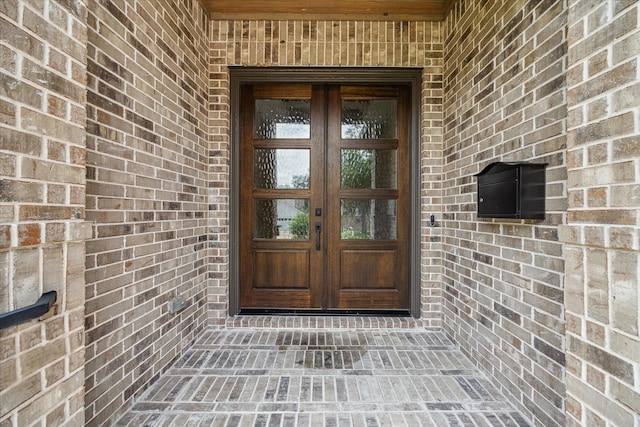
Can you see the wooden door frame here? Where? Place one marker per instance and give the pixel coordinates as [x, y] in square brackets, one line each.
[383, 76]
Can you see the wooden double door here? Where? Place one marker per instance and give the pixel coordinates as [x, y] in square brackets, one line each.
[324, 197]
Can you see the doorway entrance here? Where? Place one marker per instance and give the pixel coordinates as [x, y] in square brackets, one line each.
[324, 208]
[324, 197]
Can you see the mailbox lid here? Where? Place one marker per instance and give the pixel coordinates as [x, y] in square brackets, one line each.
[499, 171]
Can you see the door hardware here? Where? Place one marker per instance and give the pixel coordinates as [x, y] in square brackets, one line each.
[318, 231]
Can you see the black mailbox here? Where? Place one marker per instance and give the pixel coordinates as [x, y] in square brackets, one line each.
[512, 190]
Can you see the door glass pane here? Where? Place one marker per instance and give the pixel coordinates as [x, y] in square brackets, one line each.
[282, 118]
[281, 219]
[281, 168]
[369, 169]
[368, 219]
[369, 119]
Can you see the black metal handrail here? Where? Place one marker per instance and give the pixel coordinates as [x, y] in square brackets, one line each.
[33, 311]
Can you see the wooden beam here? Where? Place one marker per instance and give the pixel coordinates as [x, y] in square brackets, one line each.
[371, 10]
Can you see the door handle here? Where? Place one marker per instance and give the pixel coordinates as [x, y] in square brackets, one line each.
[318, 231]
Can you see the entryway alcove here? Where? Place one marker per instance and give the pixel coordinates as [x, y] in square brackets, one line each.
[120, 190]
[328, 267]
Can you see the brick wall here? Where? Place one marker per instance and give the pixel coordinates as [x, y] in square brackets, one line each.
[602, 238]
[504, 86]
[147, 194]
[156, 184]
[331, 44]
[42, 187]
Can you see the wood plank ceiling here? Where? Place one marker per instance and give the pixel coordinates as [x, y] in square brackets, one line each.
[366, 10]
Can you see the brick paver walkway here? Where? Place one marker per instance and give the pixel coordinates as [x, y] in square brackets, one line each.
[302, 375]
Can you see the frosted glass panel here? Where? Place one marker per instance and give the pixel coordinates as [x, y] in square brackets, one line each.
[369, 119]
[368, 219]
[281, 168]
[282, 119]
[281, 219]
[369, 169]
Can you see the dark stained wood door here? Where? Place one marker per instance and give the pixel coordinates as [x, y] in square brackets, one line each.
[367, 198]
[324, 203]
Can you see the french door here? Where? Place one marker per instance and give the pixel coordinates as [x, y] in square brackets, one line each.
[324, 197]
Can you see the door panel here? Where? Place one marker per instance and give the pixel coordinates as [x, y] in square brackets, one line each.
[324, 197]
[282, 129]
[368, 269]
[284, 269]
[368, 180]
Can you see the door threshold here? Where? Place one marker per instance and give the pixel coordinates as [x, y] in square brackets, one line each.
[324, 321]
[322, 313]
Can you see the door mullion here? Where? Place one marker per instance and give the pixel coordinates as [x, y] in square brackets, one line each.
[333, 195]
[317, 199]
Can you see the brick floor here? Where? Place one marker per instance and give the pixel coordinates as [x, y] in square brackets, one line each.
[315, 371]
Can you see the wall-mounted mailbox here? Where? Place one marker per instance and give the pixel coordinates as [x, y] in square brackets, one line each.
[512, 190]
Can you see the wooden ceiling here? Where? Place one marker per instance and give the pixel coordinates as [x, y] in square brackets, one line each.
[367, 10]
